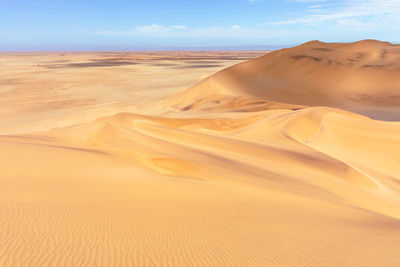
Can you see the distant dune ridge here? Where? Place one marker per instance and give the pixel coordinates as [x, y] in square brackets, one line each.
[261, 164]
[363, 77]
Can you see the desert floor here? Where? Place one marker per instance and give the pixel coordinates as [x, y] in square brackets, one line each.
[105, 161]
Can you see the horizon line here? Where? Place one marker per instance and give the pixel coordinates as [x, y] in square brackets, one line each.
[158, 49]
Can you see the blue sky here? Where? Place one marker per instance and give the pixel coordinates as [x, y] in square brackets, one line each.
[171, 24]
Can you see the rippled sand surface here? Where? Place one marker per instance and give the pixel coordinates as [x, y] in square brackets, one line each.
[107, 160]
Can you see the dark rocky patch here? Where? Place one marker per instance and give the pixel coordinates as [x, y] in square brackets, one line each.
[95, 64]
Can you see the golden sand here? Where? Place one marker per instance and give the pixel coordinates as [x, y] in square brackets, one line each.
[106, 160]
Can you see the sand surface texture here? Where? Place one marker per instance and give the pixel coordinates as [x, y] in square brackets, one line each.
[107, 159]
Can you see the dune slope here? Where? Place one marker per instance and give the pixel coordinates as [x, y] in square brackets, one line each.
[133, 189]
[363, 77]
[221, 177]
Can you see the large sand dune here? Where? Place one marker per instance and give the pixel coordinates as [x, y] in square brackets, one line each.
[363, 77]
[223, 174]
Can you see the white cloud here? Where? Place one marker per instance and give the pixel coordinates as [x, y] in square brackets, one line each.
[150, 28]
[178, 27]
[155, 28]
[360, 11]
[347, 20]
[179, 30]
[216, 35]
[303, 1]
[236, 27]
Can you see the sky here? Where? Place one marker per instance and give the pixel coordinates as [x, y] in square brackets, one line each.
[79, 25]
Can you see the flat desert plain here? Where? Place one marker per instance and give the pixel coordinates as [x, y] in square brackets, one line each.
[190, 159]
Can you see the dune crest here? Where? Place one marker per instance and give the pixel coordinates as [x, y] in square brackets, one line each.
[362, 77]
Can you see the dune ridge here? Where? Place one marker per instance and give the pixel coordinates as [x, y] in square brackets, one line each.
[362, 77]
[219, 175]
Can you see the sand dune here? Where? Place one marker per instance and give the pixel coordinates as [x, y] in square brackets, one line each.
[223, 174]
[363, 77]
